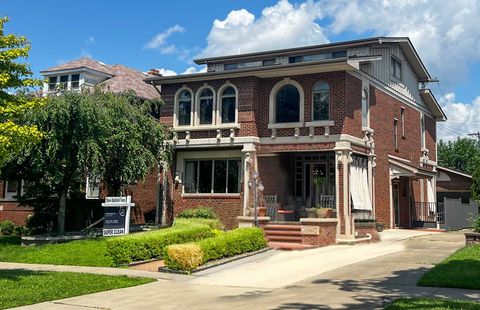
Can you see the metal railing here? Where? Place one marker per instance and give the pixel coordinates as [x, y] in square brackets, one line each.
[425, 212]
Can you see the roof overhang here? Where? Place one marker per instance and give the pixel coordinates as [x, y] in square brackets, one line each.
[404, 168]
[440, 168]
[329, 65]
[429, 99]
[75, 70]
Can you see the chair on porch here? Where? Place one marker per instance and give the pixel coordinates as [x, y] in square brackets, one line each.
[327, 201]
[271, 203]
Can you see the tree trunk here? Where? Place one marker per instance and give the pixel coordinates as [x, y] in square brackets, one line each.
[61, 213]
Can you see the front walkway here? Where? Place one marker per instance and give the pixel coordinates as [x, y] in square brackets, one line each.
[367, 284]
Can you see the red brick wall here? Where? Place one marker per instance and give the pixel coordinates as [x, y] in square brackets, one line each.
[431, 137]
[144, 195]
[11, 211]
[456, 183]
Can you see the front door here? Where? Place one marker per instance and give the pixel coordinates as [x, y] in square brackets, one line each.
[316, 183]
[396, 203]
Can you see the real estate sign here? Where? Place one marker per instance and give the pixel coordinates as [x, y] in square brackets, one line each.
[116, 215]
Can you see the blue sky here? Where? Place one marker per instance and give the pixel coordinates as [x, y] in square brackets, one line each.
[169, 34]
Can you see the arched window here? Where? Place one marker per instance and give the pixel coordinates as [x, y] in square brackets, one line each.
[365, 108]
[205, 106]
[228, 105]
[287, 104]
[321, 102]
[184, 108]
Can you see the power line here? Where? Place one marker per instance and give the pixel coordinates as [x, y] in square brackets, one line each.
[476, 134]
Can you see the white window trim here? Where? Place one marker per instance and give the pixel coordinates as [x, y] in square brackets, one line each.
[365, 89]
[197, 107]
[10, 195]
[395, 133]
[402, 120]
[219, 105]
[422, 132]
[175, 107]
[329, 105]
[272, 104]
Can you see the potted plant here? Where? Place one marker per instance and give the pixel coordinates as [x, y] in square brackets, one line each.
[262, 211]
[311, 212]
[324, 212]
[473, 237]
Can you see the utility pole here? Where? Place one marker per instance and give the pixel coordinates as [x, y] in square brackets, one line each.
[477, 135]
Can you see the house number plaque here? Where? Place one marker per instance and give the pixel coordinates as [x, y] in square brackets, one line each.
[310, 230]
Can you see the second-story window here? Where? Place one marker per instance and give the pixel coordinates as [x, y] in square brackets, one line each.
[75, 80]
[396, 68]
[287, 105]
[184, 108]
[395, 133]
[321, 101]
[402, 120]
[365, 108]
[52, 82]
[205, 108]
[228, 99]
[422, 130]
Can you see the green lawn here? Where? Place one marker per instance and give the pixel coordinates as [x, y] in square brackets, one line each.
[22, 287]
[432, 304]
[460, 270]
[92, 252]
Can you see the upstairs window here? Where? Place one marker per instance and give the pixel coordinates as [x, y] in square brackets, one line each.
[402, 120]
[287, 105]
[422, 133]
[184, 108]
[75, 80]
[52, 82]
[321, 101]
[365, 108]
[228, 99]
[396, 68]
[395, 133]
[205, 108]
[11, 188]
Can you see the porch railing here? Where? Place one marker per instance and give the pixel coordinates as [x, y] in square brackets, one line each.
[429, 212]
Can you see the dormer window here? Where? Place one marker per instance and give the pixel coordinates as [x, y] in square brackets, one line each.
[396, 68]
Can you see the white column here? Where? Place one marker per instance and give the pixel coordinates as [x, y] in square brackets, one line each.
[249, 156]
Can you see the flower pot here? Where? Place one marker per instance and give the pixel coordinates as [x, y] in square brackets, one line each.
[262, 211]
[379, 226]
[311, 212]
[324, 212]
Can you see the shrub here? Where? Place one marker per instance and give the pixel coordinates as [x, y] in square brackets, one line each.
[476, 224]
[7, 227]
[212, 223]
[149, 245]
[198, 213]
[19, 231]
[183, 256]
[235, 242]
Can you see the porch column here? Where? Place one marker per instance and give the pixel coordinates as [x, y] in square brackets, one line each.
[344, 156]
[249, 158]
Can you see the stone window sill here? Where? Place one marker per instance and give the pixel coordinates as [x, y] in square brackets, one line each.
[212, 196]
[208, 127]
[319, 123]
[285, 125]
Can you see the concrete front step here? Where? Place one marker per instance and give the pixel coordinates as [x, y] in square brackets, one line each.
[289, 246]
[282, 227]
[283, 233]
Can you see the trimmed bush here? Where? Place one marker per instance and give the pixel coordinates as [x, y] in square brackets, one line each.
[198, 213]
[212, 223]
[149, 245]
[235, 242]
[7, 227]
[183, 256]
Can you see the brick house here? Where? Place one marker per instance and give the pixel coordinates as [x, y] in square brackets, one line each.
[453, 184]
[75, 75]
[347, 125]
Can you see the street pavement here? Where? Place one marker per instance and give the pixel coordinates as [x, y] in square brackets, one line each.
[355, 279]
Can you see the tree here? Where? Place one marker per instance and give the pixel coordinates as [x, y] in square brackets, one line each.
[460, 154]
[95, 134]
[15, 95]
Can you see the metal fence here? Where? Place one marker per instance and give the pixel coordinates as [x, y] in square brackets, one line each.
[448, 214]
[425, 212]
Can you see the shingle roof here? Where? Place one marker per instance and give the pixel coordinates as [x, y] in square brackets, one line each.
[122, 78]
[82, 63]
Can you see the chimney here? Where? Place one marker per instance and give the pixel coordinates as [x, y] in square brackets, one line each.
[155, 72]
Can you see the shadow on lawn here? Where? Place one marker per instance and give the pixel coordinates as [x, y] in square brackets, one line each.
[16, 274]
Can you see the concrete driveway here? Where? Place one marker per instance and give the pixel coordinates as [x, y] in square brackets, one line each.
[366, 284]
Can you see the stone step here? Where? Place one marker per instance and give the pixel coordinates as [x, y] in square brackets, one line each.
[283, 233]
[282, 227]
[289, 246]
[285, 238]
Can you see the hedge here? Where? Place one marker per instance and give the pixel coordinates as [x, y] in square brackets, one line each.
[190, 256]
[183, 222]
[198, 213]
[149, 245]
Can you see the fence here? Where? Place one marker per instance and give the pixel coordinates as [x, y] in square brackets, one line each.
[448, 214]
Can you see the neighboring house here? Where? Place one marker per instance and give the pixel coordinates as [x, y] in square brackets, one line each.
[349, 125]
[76, 75]
[453, 184]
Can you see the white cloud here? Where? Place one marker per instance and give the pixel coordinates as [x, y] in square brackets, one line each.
[85, 50]
[192, 70]
[167, 72]
[463, 118]
[445, 33]
[159, 41]
[282, 25]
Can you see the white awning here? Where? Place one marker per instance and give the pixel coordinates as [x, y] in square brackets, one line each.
[359, 191]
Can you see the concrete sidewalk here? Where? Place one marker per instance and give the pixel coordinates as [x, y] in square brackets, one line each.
[369, 284]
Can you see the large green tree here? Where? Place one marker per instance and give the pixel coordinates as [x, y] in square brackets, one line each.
[16, 86]
[95, 134]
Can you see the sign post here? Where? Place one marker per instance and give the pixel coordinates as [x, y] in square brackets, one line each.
[116, 215]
